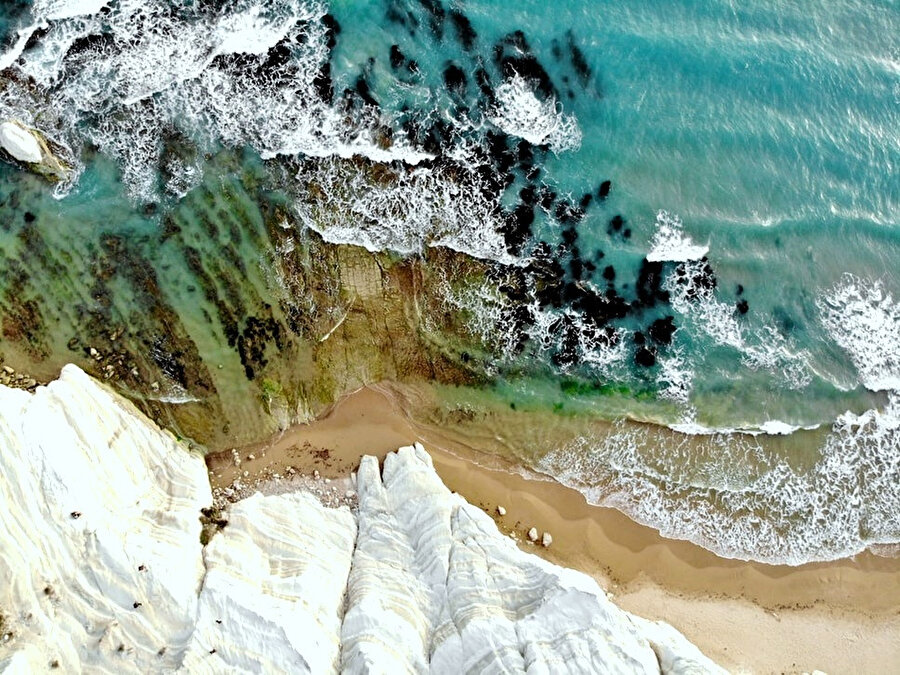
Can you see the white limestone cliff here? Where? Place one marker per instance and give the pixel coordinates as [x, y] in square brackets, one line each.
[98, 511]
[417, 581]
[19, 142]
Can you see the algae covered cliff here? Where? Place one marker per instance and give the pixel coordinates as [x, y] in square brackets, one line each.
[103, 567]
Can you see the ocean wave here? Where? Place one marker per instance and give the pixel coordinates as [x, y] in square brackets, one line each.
[398, 207]
[692, 290]
[670, 243]
[729, 495]
[257, 73]
[691, 427]
[519, 112]
[864, 319]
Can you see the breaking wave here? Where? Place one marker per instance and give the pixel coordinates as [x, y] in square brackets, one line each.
[670, 243]
[723, 492]
[155, 85]
[864, 319]
[519, 112]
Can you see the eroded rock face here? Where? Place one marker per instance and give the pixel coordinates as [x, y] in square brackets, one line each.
[101, 566]
[100, 555]
[273, 597]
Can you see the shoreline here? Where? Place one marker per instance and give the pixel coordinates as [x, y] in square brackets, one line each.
[840, 616]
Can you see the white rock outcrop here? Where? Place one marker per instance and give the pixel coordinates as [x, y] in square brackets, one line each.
[273, 597]
[98, 511]
[19, 142]
[417, 581]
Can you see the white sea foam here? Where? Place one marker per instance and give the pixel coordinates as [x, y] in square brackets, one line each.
[670, 243]
[675, 376]
[399, 207]
[488, 312]
[769, 428]
[150, 69]
[723, 492]
[519, 112]
[864, 319]
[713, 317]
[65, 9]
[762, 348]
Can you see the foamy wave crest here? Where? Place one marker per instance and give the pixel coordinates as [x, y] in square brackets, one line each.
[670, 243]
[519, 112]
[723, 493]
[863, 318]
[65, 9]
[398, 207]
[692, 294]
[675, 377]
[256, 73]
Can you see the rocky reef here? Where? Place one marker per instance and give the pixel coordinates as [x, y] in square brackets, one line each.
[111, 559]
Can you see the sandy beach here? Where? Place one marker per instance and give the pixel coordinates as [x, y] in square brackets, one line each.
[839, 617]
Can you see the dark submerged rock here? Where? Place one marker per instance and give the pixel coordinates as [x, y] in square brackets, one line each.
[464, 31]
[661, 330]
[455, 79]
[579, 62]
[332, 30]
[649, 284]
[397, 59]
[323, 83]
[645, 357]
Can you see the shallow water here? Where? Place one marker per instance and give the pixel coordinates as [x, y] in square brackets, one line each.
[737, 272]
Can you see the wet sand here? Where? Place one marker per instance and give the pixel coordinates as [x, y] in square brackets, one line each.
[841, 617]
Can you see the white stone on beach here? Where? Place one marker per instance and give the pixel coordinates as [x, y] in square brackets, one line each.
[428, 582]
[501, 511]
[533, 534]
[19, 142]
[546, 540]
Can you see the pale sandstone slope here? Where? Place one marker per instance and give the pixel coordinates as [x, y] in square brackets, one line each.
[418, 581]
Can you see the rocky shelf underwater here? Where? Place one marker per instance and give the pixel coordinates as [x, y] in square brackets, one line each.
[113, 559]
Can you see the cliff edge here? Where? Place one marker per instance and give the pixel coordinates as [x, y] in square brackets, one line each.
[102, 566]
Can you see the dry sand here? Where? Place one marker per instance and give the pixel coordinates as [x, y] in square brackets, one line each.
[840, 617]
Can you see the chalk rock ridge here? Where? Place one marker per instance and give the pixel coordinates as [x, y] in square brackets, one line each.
[102, 569]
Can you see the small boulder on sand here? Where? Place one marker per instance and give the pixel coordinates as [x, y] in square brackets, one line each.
[546, 540]
[501, 510]
[533, 534]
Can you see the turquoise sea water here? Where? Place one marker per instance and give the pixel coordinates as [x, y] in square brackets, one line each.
[752, 154]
